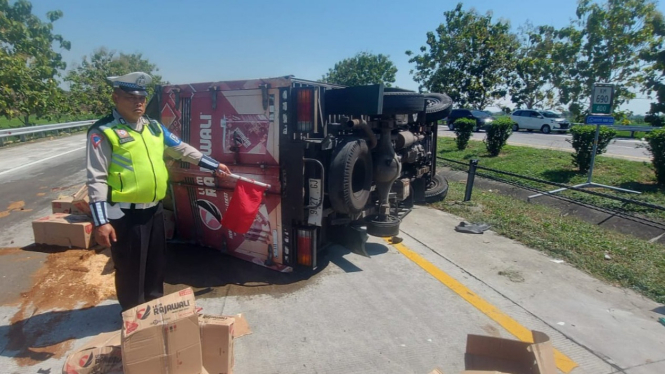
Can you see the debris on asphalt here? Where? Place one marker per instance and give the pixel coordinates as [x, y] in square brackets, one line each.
[68, 280]
[472, 228]
[557, 261]
[512, 275]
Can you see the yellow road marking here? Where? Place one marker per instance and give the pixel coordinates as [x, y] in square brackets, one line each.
[563, 362]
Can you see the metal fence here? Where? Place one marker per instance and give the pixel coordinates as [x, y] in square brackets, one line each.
[473, 168]
[24, 133]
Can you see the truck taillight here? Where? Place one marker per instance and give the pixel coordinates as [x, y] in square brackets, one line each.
[305, 99]
[307, 247]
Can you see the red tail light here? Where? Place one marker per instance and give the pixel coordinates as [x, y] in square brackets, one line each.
[307, 247]
[305, 110]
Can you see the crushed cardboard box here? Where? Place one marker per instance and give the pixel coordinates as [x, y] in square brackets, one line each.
[169, 223]
[100, 355]
[66, 230]
[510, 356]
[63, 204]
[491, 355]
[162, 336]
[80, 202]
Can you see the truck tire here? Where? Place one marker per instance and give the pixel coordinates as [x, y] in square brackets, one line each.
[437, 190]
[403, 102]
[350, 178]
[382, 226]
[438, 106]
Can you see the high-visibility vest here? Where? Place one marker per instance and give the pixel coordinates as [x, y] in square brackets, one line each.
[137, 172]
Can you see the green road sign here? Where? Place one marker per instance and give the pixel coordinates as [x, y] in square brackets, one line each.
[601, 99]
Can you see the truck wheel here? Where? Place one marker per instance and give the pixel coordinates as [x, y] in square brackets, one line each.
[437, 189]
[350, 178]
[403, 102]
[382, 226]
[438, 106]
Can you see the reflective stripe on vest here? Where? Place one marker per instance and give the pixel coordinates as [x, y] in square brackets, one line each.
[137, 172]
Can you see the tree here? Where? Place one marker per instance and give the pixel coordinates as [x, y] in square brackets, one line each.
[603, 45]
[469, 57]
[29, 65]
[654, 74]
[90, 91]
[530, 83]
[362, 69]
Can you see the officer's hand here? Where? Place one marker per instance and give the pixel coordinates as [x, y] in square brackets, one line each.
[105, 234]
[222, 170]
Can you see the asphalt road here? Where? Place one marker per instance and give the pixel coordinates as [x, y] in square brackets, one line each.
[630, 149]
[406, 309]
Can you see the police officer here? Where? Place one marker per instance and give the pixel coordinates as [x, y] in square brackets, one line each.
[127, 179]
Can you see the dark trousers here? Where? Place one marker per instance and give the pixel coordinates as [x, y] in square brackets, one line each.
[139, 256]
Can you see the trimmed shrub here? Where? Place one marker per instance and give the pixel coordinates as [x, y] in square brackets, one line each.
[497, 135]
[582, 142]
[463, 129]
[656, 145]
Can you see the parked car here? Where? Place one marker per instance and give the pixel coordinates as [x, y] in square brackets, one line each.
[543, 120]
[483, 118]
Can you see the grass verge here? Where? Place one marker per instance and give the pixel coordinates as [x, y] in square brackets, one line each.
[556, 166]
[634, 263]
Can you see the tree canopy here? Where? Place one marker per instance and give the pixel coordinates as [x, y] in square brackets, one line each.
[469, 57]
[362, 69]
[29, 64]
[89, 90]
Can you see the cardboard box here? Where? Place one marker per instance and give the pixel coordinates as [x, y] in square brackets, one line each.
[162, 336]
[169, 223]
[63, 204]
[218, 334]
[510, 356]
[80, 202]
[217, 343]
[100, 355]
[66, 230]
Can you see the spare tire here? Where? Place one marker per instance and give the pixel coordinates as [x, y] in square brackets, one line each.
[437, 189]
[438, 106]
[350, 177]
[403, 102]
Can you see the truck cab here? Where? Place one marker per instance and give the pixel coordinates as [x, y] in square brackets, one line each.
[342, 162]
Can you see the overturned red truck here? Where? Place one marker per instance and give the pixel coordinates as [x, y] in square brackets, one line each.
[342, 162]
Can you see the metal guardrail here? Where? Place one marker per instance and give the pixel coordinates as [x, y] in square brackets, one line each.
[41, 130]
[632, 129]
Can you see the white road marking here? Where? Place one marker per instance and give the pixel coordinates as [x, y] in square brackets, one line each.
[38, 161]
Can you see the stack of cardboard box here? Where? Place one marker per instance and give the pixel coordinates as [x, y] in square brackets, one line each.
[166, 335]
[70, 225]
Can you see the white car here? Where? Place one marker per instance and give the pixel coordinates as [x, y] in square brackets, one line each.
[543, 120]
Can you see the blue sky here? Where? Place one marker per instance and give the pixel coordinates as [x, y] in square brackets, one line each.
[198, 41]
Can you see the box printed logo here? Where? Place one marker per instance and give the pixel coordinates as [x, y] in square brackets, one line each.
[143, 313]
[210, 214]
[86, 360]
[130, 327]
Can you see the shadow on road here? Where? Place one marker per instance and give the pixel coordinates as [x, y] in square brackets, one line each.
[40, 337]
[214, 274]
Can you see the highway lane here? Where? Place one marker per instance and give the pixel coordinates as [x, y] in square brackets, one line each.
[33, 174]
[630, 149]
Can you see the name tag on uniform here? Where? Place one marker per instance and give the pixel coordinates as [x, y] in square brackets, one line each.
[123, 136]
